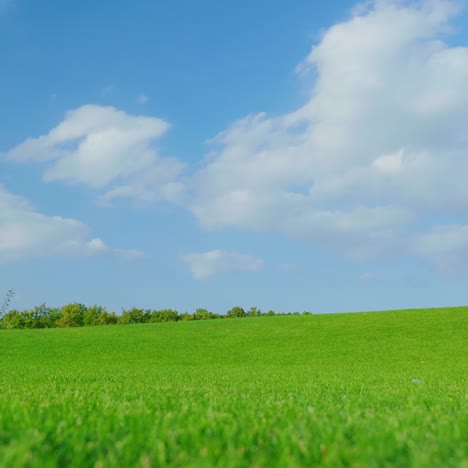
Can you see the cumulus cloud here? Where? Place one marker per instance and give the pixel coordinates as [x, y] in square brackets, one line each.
[204, 265]
[25, 233]
[105, 148]
[379, 148]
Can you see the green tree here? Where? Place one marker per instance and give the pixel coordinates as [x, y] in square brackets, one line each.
[186, 317]
[72, 315]
[39, 317]
[133, 315]
[254, 312]
[12, 320]
[107, 318]
[164, 315]
[236, 312]
[203, 314]
[95, 315]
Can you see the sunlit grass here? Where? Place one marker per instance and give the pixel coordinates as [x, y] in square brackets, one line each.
[375, 389]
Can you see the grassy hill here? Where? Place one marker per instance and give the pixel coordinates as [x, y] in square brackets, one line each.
[367, 389]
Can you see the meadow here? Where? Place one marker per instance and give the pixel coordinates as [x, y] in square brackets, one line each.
[359, 390]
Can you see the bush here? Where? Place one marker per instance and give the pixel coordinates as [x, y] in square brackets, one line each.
[133, 315]
[12, 320]
[78, 315]
[254, 312]
[97, 315]
[203, 314]
[43, 317]
[236, 312]
[72, 315]
[164, 315]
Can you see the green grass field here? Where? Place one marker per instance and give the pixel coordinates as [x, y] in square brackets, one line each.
[374, 389]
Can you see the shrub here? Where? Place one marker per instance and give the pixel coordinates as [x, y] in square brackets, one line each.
[186, 317]
[133, 315]
[164, 315]
[72, 315]
[107, 318]
[203, 314]
[12, 320]
[97, 315]
[254, 312]
[78, 315]
[42, 317]
[236, 312]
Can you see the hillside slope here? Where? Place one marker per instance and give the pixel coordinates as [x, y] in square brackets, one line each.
[333, 390]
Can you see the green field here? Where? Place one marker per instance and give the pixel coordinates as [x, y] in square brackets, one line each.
[368, 389]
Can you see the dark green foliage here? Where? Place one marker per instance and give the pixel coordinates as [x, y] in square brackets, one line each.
[43, 317]
[133, 315]
[39, 317]
[236, 312]
[72, 316]
[97, 315]
[12, 320]
[254, 312]
[78, 315]
[164, 315]
[203, 314]
[186, 317]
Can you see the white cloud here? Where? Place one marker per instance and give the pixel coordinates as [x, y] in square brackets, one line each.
[371, 152]
[105, 148]
[156, 183]
[25, 233]
[379, 148]
[204, 265]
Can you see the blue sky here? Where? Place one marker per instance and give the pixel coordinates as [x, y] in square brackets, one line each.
[300, 156]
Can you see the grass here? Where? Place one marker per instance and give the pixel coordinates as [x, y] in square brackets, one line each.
[375, 389]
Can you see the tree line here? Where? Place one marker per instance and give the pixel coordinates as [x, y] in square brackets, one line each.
[79, 315]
